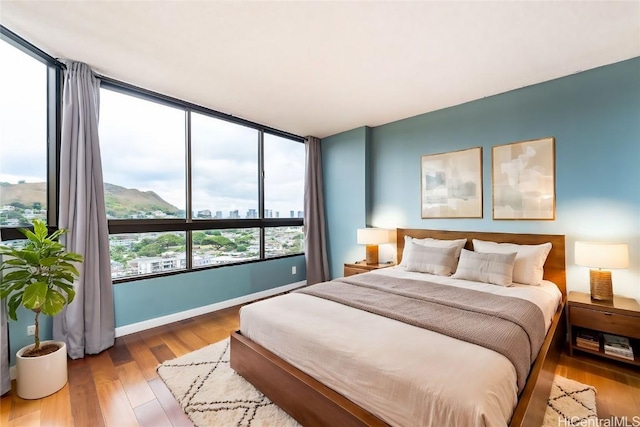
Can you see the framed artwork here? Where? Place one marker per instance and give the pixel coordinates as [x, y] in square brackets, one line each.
[451, 184]
[523, 176]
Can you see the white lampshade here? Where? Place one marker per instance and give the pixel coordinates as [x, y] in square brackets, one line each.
[602, 255]
[373, 236]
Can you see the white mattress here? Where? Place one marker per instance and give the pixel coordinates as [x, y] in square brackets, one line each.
[405, 375]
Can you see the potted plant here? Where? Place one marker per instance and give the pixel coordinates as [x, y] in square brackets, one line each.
[40, 278]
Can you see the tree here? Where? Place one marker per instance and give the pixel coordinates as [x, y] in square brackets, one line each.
[168, 240]
[198, 237]
[151, 250]
[119, 253]
[218, 242]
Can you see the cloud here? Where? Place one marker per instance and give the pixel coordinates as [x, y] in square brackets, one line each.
[143, 147]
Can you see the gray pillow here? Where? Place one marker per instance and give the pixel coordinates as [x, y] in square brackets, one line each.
[432, 260]
[491, 268]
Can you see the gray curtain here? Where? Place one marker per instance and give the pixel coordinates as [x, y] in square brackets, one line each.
[87, 325]
[314, 238]
[5, 377]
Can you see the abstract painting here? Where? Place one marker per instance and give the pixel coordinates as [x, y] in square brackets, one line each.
[451, 184]
[524, 180]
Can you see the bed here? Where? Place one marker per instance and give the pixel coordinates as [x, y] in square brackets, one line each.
[329, 378]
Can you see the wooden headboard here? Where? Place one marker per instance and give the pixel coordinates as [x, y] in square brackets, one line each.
[554, 267]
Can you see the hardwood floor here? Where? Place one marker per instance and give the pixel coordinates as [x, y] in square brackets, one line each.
[120, 387]
[617, 385]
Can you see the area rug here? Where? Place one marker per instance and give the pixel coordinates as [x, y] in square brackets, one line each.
[212, 394]
[570, 404]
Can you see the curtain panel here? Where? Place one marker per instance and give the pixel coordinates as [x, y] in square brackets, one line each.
[87, 325]
[314, 221]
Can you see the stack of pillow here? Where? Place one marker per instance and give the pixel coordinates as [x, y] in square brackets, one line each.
[490, 262]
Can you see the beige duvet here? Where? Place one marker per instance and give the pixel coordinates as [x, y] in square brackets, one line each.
[405, 375]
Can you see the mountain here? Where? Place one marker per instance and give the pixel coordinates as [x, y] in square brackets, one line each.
[119, 200]
[27, 194]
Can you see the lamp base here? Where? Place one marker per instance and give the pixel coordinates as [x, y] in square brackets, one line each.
[372, 255]
[601, 286]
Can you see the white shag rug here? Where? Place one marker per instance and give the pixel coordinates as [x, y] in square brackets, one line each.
[571, 404]
[212, 394]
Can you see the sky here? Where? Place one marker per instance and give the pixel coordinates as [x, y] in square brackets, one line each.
[23, 117]
[143, 147]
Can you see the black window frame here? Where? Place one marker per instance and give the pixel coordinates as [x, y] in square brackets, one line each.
[54, 108]
[189, 224]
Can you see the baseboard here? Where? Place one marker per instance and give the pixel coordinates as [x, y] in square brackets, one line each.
[159, 321]
[175, 317]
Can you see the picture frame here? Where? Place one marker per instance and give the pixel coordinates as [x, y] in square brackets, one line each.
[451, 184]
[523, 180]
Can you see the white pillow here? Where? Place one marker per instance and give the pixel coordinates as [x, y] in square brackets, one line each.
[491, 268]
[528, 268]
[425, 259]
[433, 243]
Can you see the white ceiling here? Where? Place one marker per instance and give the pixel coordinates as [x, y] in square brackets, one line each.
[319, 68]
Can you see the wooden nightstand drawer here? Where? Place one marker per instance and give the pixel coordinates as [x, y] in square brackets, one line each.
[605, 321]
[350, 271]
[362, 267]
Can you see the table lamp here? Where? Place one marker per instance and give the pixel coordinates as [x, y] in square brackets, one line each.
[372, 237]
[601, 255]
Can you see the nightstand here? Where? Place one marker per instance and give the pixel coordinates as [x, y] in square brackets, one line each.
[618, 317]
[363, 267]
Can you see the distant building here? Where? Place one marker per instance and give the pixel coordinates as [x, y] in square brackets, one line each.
[205, 213]
[300, 214]
[218, 214]
[291, 214]
[268, 213]
[234, 214]
[252, 213]
[149, 265]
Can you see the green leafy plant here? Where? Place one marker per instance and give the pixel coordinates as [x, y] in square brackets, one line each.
[39, 276]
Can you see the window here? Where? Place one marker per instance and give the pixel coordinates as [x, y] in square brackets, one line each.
[23, 138]
[224, 169]
[29, 135]
[143, 151]
[281, 241]
[185, 188]
[283, 177]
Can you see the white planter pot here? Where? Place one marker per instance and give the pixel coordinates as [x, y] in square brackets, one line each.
[43, 375]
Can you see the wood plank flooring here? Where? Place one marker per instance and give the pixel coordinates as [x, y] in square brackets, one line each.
[120, 387]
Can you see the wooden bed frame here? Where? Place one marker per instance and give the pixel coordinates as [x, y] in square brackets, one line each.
[312, 403]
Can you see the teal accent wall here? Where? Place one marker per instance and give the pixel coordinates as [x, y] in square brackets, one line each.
[345, 159]
[595, 119]
[146, 299]
[150, 298]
